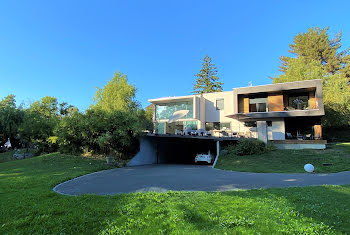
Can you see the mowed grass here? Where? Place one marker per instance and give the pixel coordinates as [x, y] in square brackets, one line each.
[29, 206]
[290, 161]
[6, 156]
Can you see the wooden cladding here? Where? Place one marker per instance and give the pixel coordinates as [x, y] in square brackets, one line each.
[318, 132]
[246, 105]
[243, 105]
[312, 100]
[275, 102]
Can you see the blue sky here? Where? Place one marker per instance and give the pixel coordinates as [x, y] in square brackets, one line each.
[67, 48]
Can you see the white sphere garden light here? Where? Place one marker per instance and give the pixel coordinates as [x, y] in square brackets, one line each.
[309, 168]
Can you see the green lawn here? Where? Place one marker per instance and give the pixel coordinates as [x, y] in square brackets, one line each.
[29, 206]
[290, 161]
[7, 156]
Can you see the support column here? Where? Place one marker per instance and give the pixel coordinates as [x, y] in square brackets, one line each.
[262, 131]
[217, 153]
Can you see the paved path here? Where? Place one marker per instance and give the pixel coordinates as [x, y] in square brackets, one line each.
[162, 178]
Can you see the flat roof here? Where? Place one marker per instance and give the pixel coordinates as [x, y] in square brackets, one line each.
[250, 89]
[173, 98]
[278, 86]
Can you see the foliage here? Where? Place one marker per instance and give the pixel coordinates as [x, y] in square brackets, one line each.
[116, 95]
[99, 131]
[290, 161]
[316, 56]
[247, 147]
[300, 70]
[207, 80]
[36, 129]
[65, 109]
[8, 101]
[30, 206]
[337, 134]
[46, 107]
[315, 45]
[10, 119]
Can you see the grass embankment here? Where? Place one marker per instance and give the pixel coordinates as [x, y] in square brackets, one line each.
[29, 206]
[290, 161]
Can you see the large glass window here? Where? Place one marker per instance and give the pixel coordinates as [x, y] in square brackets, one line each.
[191, 124]
[165, 111]
[258, 105]
[209, 126]
[160, 128]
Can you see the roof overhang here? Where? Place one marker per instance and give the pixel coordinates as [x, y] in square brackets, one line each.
[280, 114]
[171, 99]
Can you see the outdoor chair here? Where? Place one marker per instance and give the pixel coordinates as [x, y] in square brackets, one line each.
[289, 135]
[178, 132]
[200, 132]
[308, 136]
[187, 131]
[207, 133]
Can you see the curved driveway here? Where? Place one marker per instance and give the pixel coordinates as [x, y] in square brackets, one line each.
[162, 178]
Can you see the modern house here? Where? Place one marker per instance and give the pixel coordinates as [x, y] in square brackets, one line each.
[288, 114]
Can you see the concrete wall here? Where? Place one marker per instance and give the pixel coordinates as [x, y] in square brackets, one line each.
[300, 146]
[277, 130]
[147, 154]
[262, 131]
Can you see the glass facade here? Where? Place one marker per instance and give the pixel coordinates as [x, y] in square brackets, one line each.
[165, 111]
[191, 124]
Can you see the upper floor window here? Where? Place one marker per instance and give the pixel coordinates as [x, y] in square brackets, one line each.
[258, 105]
[298, 102]
[220, 104]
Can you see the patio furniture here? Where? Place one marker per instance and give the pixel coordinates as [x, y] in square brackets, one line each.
[178, 132]
[200, 132]
[187, 131]
[207, 133]
[308, 136]
[289, 135]
[193, 132]
[317, 137]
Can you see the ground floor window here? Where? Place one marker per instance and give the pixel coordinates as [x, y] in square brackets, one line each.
[191, 124]
[160, 127]
[209, 126]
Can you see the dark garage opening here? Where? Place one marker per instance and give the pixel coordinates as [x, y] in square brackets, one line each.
[182, 151]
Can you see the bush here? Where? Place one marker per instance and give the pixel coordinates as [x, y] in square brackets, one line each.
[100, 132]
[248, 147]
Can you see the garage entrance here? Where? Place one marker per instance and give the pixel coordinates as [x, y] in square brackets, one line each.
[171, 149]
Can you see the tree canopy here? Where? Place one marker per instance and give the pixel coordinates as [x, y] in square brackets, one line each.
[317, 56]
[116, 95]
[207, 80]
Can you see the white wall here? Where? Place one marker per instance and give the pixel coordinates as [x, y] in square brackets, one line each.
[214, 115]
[277, 130]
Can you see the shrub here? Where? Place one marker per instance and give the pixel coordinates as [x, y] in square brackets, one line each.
[248, 147]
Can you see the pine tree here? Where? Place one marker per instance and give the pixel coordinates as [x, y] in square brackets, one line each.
[207, 80]
[315, 45]
[316, 56]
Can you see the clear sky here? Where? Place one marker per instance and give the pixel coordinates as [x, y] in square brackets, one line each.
[67, 48]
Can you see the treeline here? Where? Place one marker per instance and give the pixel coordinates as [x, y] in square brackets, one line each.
[314, 55]
[110, 125]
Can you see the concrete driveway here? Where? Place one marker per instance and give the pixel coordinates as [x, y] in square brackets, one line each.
[162, 178]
